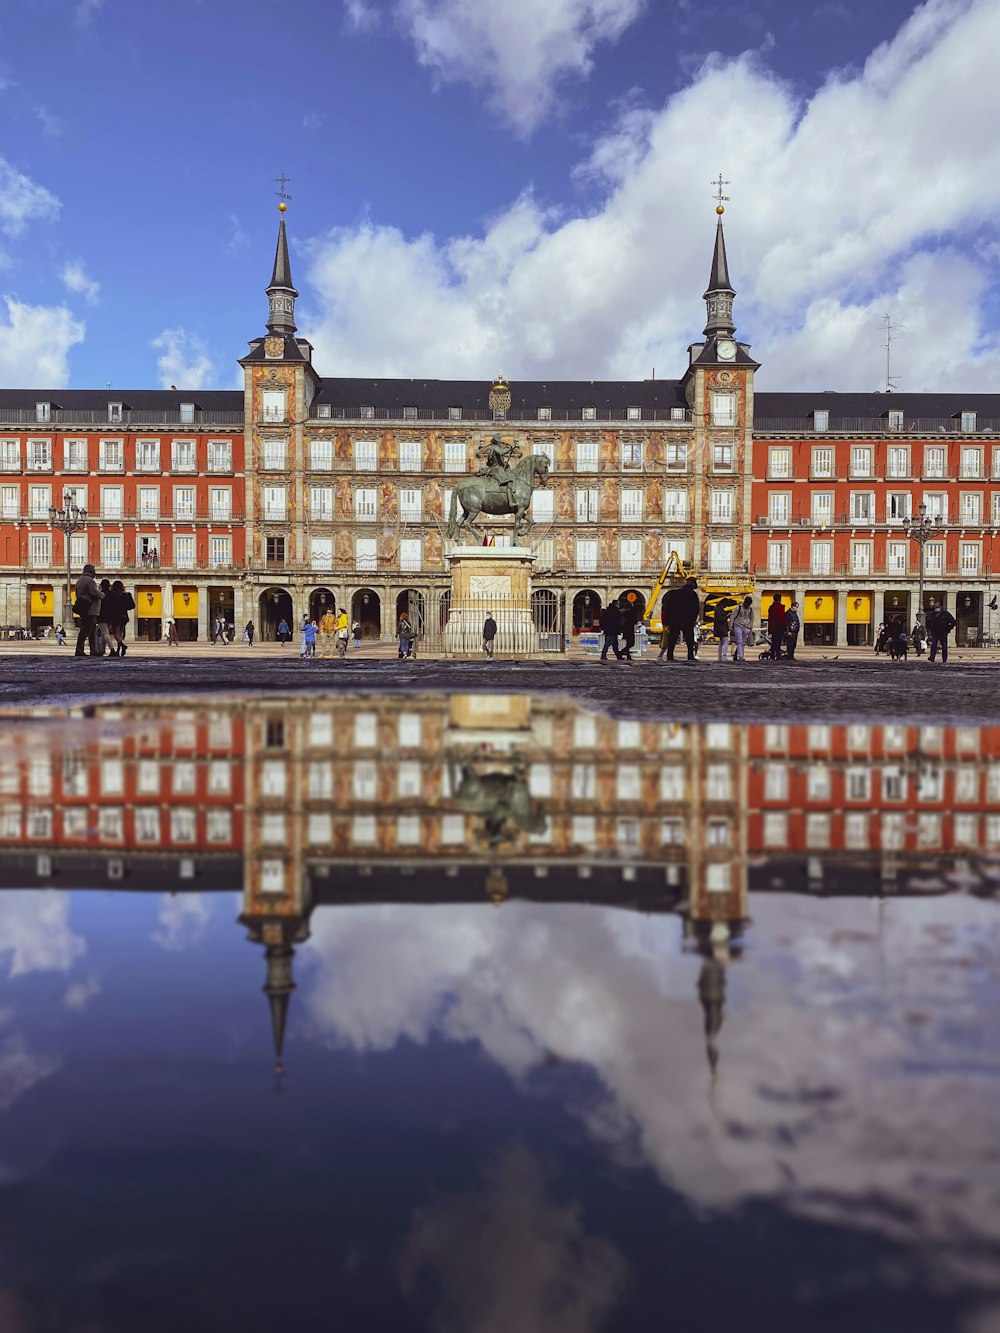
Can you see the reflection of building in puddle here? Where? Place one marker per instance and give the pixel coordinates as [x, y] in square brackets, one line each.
[306, 802]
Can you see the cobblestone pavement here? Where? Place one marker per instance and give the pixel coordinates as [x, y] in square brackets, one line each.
[858, 686]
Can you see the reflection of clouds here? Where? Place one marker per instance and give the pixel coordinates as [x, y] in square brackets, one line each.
[184, 920]
[20, 1067]
[80, 994]
[856, 1064]
[507, 1257]
[34, 931]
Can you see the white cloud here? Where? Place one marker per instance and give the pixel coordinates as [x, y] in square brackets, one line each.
[80, 994]
[360, 16]
[21, 1068]
[520, 51]
[35, 933]
[184, 360]
[74, 276]
[52, 125]
[22, 201]
[85, 11]
[873, 194]
[312, 120]
[35, 343]
[184, 920]
[238, 239]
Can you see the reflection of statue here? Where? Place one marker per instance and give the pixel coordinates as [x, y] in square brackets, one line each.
[498, 798]
[497, 489]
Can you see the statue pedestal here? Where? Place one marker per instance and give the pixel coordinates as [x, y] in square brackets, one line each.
[496, 580]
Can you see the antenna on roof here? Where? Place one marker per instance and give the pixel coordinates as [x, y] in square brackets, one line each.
[891, 332]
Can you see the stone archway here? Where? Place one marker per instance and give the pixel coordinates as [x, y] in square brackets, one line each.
[366, 609]
[545, 610]
[321, 600]
[274, 605]
[586, 610]
[411, 603]
[635, 600]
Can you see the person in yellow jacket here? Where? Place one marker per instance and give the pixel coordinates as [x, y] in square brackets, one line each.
[327, 634]
[343, 629]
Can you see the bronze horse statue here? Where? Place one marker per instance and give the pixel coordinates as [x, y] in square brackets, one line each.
[499, 799]
[482, 495]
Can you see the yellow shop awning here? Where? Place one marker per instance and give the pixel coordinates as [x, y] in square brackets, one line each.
[185, 603]
[766, 599]
[149, 602]
[859, 608]
[820, 608]
[42, 601]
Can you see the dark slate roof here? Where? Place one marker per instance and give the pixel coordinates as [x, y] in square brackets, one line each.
[719, 280]
[282, 274]
[565, 397]
[158, 400]
[860, 405]
[292, 350]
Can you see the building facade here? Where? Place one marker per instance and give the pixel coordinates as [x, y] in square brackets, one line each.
[304, 491]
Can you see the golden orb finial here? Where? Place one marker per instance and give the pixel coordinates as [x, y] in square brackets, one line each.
[720, 209]
[282, 207]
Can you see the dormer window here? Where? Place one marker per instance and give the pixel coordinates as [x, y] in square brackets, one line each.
[409, 412]
[968, 423]
[187, 414]
[821, 420]
[367, 412]
[589, 414]
[323, 411]
[895, 418]
[115, 412]
[545, 414]
[454, 414]
[43, 411]
[633, 413]
[677, 414]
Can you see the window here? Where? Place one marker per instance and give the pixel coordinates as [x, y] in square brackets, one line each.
[822, 463]
[321, 552]
[779, 463]
[971, 464]
[821, 420]
[588, 414]
[996, 509]
[821, 558]
[220, 502]
[630, 555]
[321, 504]
[723, 409]
[778, 557]
[586, 554]
[822, 508]
[39, 500]
[111, 456]
[410, 731]
[895, 420]
[586, 504]
[409, 412]
[895, 557]
[10, 455]
[411, 555]
[321, 455]
[365, 455]
[861, 461]
[898, 506]
[275, 455]
[365, 504]
[779, 508]
[632, 457]
[996, 462]
[275, 500]
[818, 783]
[971, 508]
[147, 456]
[898, 461]
[365, 553]
[633, 414]
[184, 497]
[184, 552]
[455, 456]
[677, 413]
[721, 507]
[776, 736]
[74, 455]
[720, 556]
[586, 455]
[367, 412]
[220, 456]
[187, 414]
[935, 461]
[111, 551]
[41, 549]
[775, 782]
[861, 558]
[273, 404]
[968, 422]
[39, 455]
[43, 412]
[409, 456]
[542, 508]
[10, 502]
[862, 507]
[722, 458]
[677, 457]
[149, 501]
[817, 830]
[454, 414]
[545, 414]
[775, 828]
[115, 412]
[719, 783]
[112, 501]
[631, 505]
[969, 557]
[937, 505]
[410, 505]
[675, 506]
[274, 550]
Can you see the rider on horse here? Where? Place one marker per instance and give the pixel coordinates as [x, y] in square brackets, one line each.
[498, 456]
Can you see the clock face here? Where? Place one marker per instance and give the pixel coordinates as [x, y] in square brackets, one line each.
[725, 349]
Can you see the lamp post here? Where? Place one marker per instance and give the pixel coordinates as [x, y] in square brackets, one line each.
[921, 530]
[71, 518]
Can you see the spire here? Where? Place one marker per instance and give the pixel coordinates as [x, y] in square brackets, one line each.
[719, 296]
[278, 989]
[712, 994]
[280, 292]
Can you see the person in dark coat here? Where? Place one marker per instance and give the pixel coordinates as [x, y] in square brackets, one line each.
[87, 608]
[628, 630]
[940, 623]
[611, 625]
[720, 626]
[117, 604]
[776, 626]
[682, 608]
[248, 633]
[793, 624]
[489, 635]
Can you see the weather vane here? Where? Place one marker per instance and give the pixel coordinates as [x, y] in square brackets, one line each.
[720, 199]
[282, 180]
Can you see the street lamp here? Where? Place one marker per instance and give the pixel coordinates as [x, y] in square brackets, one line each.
[71, 518]
[921, 530]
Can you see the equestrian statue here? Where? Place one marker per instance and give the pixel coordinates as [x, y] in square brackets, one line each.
[498, 488]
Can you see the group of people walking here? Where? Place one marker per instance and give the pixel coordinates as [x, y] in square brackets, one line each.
[930, 629]
[102, 611]
[618, 621]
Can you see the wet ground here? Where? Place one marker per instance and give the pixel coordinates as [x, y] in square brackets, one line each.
[430, 1010]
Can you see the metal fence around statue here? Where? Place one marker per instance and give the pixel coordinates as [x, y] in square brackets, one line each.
[517, 635]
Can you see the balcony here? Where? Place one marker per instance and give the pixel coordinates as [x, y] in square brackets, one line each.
[877, 569]
[663, 416]
[133, 418]
[873, 426]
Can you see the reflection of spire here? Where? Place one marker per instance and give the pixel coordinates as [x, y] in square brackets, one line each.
[712, 994]
[497, 887]
[278, 989]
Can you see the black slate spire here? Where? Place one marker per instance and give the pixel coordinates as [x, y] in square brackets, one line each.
[281, 293]
[719, 295]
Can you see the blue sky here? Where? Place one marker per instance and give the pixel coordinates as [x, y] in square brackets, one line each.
[521, 186]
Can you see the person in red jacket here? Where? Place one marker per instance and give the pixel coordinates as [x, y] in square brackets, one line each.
[776, 626]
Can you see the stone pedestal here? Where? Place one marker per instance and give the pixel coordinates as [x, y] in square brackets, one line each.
[496, 580]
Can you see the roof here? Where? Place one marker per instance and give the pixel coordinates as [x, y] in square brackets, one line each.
[564, 397]
[872, 405]
[281, 275]
[719, 280]
[160, 400]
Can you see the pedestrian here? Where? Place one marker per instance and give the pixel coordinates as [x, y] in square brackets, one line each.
[356, 633]
[628, 618]
[87, 607]
[919, 634]
[793, 624]
[284, 633]
[172, 638]
[489, 635]
[742, 628]
[327, 636]
[611, 623]
[117, 604]
[682, 607]
[309, 639]
[248, 632]
[404, 633]
[940, 623]
[881, 639]
[720, 627]
[342, 634]
[776, 626]
[60, 635]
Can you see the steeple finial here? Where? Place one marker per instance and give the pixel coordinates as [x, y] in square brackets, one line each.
[281, 292]
[719, 294]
